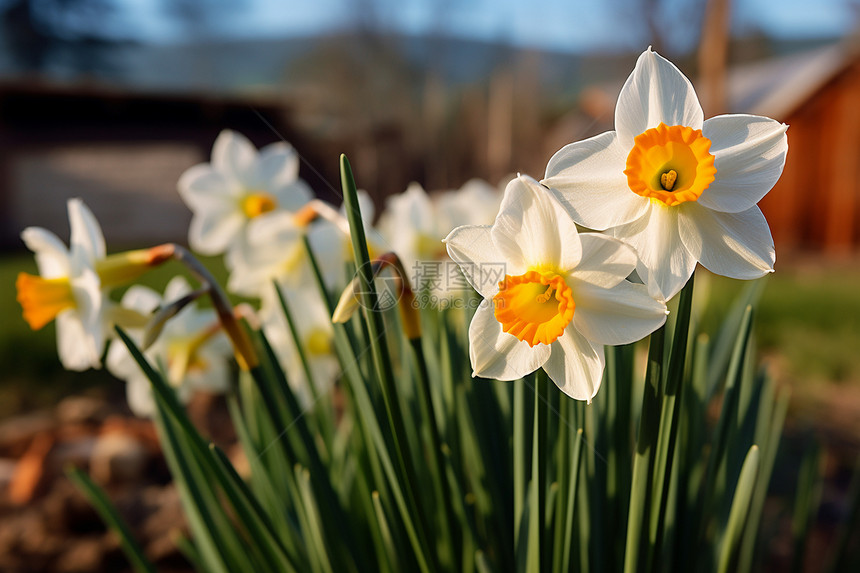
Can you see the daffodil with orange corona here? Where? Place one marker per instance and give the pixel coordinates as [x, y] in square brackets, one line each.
[560, 298]
[677, 188]
[73, 285]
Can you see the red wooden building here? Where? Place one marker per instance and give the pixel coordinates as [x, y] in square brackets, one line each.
[815, 206]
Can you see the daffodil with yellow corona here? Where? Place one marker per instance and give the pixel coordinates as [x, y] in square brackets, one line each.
[552, 297]
[192, 349]
[679, 189]
[239, 186]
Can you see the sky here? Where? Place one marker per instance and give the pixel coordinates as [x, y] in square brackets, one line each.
[564, 25]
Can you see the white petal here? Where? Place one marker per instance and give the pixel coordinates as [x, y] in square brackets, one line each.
[237, 250]
[77, 350]
[411, 210]
[215, 378]
[86, 233]
[588, 178]
[293, 196]
[475, 203]
[52, 256]
[606, 261]
[472, 248]
[665, 264]
[271, 230]
[749, 154]
[277, 165]
[622, 314]
[86, 288]
[233, 155]
[408, 220]
[273, 249]
[140, 298]
[497, 354]
[576, 364]
[328, 243]
[655, 92]
[138, 392]
[176, 288]
[533, 229]
[201, 187]
[119, 361]
[736, 245]
[367, 207]
[211, 232]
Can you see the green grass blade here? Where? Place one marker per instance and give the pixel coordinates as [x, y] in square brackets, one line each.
[740, 506]
[572, 489]
[806, 504]
[520, 453]
[635, 559]
[537, 502]
[380, 459]
[770, 447]
[722, 347]
[669, 421]
[382, 358]
[320, 406]
[266, 491]
[619, 364]
[389, 558]
[728, 416]
[250, 513]
[482, 565]
[109, 515]
[205, 516]
[440, 480]
[315, 526]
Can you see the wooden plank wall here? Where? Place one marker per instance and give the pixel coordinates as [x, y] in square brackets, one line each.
[815, 206]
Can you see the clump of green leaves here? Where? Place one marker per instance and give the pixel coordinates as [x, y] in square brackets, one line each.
[412, 465]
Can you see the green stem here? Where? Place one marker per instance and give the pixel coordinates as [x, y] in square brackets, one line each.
[669, 417]
[381, 354]
[637, 517]
[428, 412]
[537, 509]
[108, 513]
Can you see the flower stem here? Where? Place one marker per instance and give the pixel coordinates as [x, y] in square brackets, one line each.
[382, 355]
[246, 356]
[637, 517]
[537, 509]
[669, 420]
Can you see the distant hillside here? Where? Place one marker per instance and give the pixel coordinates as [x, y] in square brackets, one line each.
[276, 66]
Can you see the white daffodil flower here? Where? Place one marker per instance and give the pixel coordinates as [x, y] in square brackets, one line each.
[69, 288]
[276, 252]
[238, 186]
[414, 224]
[679, 189]
[191, 350]
[552, 297]
[315, 333]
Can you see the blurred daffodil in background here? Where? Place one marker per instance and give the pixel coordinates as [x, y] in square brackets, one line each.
[68, 289]
[415, 222]
[191, 349]
[239, 186]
